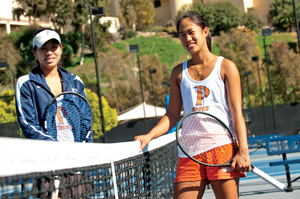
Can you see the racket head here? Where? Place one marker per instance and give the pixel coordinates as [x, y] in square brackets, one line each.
[68, 117]
[206, 139]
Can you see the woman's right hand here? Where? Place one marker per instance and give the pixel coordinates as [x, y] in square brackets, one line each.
[144, 139]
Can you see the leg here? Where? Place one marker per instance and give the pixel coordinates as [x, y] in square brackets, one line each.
[190, 180]
[191, 190]
[226, 189]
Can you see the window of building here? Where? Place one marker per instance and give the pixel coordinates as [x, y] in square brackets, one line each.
[13, 14]
[157, 3]
[250, 9]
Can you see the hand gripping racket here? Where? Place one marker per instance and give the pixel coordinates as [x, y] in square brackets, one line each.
[208, 141]
[68, 117]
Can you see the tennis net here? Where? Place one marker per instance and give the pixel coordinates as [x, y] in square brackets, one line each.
[43, 169]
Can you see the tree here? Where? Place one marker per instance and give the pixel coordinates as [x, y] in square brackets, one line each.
[7, 107]
[110, 114]
[120, 74]
[122, 90]
[252, 20]
[137, 14]
[81, 24]
[220, 16]
[24, 44]
[62, 13]
[239, 46]
[144, 10]
[11, 55]
[277, 6]
[103, 37]
[127, 14]
[227, 16]
[281, 14]
[32, 8]
[79, 18]
[162, 74]
[284, 73]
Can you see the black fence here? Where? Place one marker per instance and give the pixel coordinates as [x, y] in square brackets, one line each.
[10, 130]
[286, 121]
[259, 121]
[127, 131]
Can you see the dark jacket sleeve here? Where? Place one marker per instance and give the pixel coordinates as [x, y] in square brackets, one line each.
[27, 113]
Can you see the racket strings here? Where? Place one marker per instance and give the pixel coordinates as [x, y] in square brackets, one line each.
[69, 118]
[73, 108]
[206, 139]
[216, 156]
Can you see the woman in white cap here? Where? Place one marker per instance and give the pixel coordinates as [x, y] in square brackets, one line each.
[35, 90]
[47, 49]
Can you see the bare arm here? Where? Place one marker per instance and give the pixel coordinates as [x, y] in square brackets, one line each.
[231, 77]
[170, 119]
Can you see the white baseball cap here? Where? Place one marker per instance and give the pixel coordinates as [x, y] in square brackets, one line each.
[44, 36]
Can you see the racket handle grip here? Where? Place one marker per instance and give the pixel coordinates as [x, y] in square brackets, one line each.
[269, 179]
[87, 136]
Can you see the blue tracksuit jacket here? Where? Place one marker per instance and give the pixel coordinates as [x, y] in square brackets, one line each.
[33, 96]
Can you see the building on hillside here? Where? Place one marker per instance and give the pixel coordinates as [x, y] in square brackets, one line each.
[166, 10]
[9, 21]
[261, 7]
[115, 24]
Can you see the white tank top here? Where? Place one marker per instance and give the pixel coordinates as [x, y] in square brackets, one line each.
[208, 95]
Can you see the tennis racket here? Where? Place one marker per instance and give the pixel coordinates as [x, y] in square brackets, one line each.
[68, 117]
[208, 141]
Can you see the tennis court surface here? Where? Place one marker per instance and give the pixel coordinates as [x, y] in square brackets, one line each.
[32, 169]
[253, 187]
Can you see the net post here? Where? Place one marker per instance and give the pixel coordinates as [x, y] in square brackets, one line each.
[114, 179]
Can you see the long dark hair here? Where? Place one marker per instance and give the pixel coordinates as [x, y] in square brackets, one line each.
[200, 21]
[34, 48]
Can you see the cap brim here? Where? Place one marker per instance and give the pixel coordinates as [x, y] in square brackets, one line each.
[43, 37]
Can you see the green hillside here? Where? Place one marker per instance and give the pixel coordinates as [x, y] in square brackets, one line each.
[168, 49]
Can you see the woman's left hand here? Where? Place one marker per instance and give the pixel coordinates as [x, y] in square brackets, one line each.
[241, 162]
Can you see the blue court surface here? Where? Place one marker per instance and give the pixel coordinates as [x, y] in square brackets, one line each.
[253, 187]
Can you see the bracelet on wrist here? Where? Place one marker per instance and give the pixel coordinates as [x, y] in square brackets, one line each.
[243, 157]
